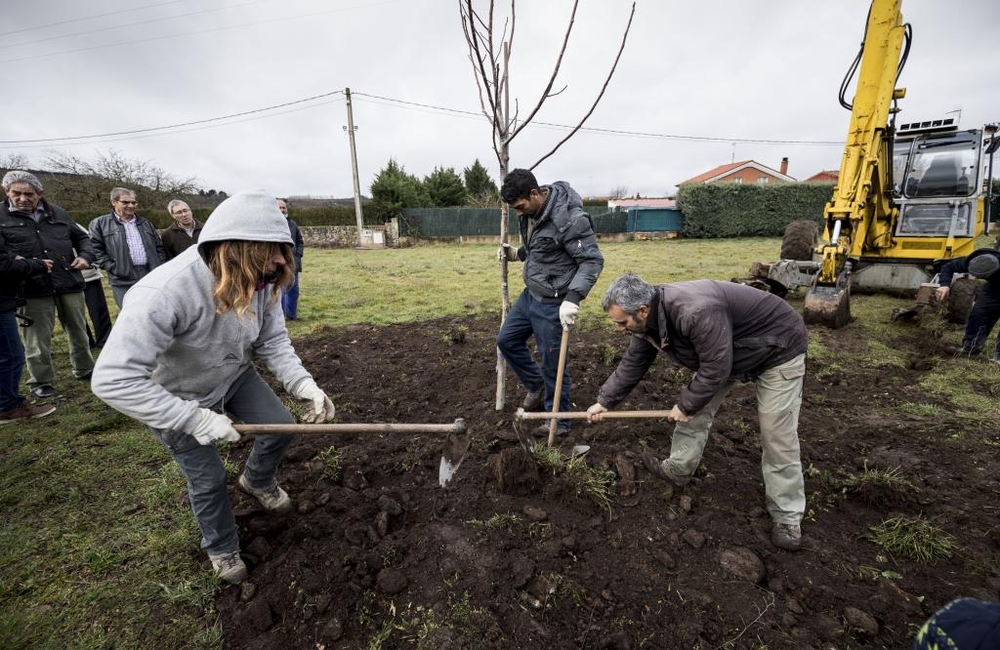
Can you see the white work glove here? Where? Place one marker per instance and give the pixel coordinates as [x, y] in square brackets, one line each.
[214, 427]
[567, 313]
[506, 252]
[321, 408]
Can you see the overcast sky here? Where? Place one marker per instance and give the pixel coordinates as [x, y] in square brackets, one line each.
[702, 69]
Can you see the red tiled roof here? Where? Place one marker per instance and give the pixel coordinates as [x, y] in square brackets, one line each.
[717, 171]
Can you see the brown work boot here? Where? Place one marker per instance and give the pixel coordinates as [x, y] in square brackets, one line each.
[787, 536]
[658, 468]
[25, 411]
[533, 400]
[961, 351]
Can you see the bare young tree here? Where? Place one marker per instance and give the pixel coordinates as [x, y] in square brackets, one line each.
[489, 52]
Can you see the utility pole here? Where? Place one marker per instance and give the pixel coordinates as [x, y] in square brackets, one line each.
[350, 128]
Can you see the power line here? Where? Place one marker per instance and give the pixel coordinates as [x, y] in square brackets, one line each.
[107, 28]
[641, 134]
[35, 142]
[92, 17]
[172, 126]
[192, 33]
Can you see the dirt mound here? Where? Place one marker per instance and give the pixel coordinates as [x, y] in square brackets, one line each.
[378, 555]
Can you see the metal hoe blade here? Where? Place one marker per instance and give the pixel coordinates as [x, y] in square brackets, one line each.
[455, 448]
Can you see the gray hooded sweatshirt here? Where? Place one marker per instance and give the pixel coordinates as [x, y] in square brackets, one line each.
[171, 353]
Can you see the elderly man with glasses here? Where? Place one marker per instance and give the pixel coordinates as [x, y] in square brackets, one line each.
[34, 228]
[184, 232]
[125, 245]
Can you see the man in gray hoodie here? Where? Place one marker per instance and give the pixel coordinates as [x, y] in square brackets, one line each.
[725, 332]
[561, 265]
[180, 360]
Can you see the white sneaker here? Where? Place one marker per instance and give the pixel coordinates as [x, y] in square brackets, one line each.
[229, 567]
[273, 498]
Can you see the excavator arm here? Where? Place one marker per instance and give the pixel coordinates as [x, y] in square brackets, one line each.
[861, 214]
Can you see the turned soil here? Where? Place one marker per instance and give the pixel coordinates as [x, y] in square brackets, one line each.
[378, 555]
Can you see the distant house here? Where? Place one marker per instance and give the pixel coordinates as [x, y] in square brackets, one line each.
[824, 176]
[653, 202]
[744, 171]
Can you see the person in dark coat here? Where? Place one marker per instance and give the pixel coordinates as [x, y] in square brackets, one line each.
[561, 264]
[184, 232]
[32, 227]
[13, 270]
[983, 264]
[125, 245]
[290, 299]
[725, 332]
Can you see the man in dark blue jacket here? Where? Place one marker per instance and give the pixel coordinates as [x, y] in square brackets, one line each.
[561, 265]
[984, 264]
[32, 227]
[13, 270]
[290, 298]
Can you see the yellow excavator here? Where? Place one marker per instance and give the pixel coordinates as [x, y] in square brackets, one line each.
[906, 199]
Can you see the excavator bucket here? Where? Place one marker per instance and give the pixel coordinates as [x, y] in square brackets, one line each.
[829, 306]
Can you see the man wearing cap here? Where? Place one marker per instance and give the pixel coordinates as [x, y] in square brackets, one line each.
[180, 360]
[984, 264]
[125, 245]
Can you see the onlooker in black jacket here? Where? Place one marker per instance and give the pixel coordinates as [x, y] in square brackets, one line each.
[125, 245]
[32, 227]
[290, 298]
[984, 264]
[13, 270]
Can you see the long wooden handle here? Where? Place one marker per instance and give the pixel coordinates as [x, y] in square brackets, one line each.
[582, 415]
[563, 347]
[457, 427]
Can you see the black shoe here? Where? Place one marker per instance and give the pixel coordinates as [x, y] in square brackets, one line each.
[542, 431]
[86, 377]
[44, 391]
[533, 400]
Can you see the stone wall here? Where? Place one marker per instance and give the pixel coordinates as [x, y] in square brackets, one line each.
[347, 236]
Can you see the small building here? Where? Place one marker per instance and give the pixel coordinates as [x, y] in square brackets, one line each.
[744, 171]
[825, 176]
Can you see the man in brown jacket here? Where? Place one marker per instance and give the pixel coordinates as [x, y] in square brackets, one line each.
[724, 332]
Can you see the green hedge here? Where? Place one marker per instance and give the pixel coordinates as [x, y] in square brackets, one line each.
[749, 210]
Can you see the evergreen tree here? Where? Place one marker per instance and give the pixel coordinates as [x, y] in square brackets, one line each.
[393, 189]
[478, 181]
[445, 188]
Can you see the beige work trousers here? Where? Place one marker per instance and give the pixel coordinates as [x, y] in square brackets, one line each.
[779, 397]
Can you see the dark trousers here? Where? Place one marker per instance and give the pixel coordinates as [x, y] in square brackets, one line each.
[100, 318]
[290, 300]
[530, 317]
[983, 317]
[11, 362]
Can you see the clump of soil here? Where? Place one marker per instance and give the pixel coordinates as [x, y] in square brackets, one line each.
[387, 558]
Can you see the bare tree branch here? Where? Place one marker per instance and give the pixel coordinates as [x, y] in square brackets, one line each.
[555, 71]
[598, 99]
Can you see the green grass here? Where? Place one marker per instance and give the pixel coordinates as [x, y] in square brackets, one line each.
[916, 538]
[98, 548]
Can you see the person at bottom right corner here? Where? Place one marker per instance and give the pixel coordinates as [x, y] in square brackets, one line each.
[962, 624]
[983, 264]
[724, 332]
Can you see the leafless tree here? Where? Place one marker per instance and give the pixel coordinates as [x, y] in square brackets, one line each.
[84, 184]
[618, 192]
[489, 51]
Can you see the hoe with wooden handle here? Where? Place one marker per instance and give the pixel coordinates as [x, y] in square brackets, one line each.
[455, 446]
[522, 415]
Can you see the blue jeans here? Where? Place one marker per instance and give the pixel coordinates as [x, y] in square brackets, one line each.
[290, 300]
[528, 317]
[11, 362]
[983, 317]
[252, 401]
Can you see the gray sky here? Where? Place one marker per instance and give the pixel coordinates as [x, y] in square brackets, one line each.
[739, 71]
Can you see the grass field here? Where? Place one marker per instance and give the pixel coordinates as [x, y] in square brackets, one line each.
[99, 549]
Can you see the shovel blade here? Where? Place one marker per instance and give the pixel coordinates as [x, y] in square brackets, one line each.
[455, 448]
